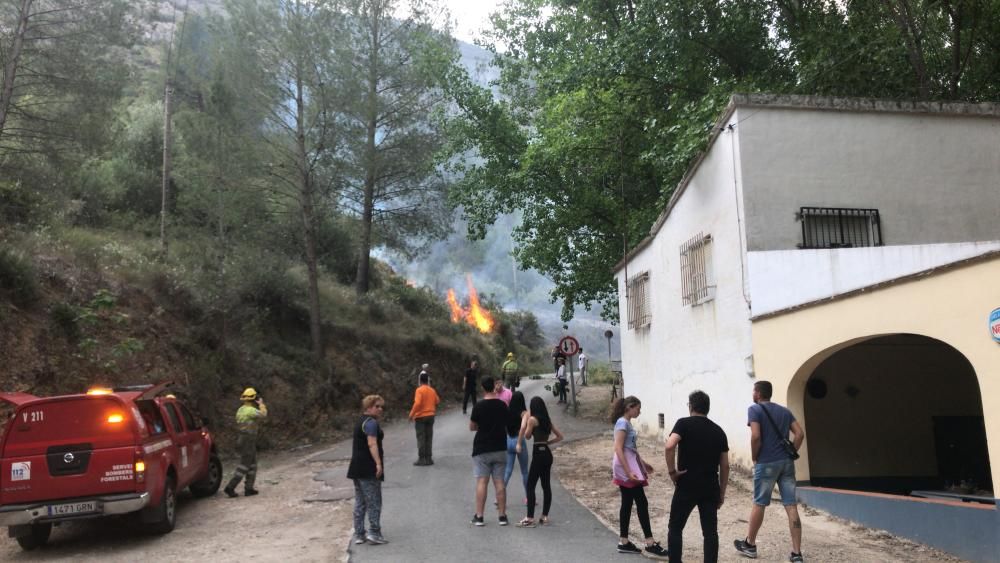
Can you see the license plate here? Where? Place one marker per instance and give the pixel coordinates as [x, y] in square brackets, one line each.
[73, 508]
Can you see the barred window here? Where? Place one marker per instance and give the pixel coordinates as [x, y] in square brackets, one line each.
[836, 227]
[697, 276]
[637, 297]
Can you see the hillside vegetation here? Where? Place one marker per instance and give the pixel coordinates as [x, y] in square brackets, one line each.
[83, 307]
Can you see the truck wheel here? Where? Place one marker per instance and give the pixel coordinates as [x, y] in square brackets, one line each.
[164, 515]
[212, 481]
[38, 537]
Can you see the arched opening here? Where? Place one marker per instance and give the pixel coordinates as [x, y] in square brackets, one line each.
[895, 414]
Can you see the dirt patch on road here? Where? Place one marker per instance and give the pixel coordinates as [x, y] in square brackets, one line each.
[277, 525]
[584, 468]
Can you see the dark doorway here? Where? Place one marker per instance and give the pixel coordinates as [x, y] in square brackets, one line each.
[894, 414]
[962, 457]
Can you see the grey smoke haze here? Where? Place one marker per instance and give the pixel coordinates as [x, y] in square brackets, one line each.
[497, 278]
[494, 271]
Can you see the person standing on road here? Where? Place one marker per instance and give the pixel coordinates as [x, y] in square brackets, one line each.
[502, 392]
[367, 471]
[557, 354]
[469, 383]
[489, 450]
[770, 424]
[509, 372]
[561, 379]
[423, 371]
[631, 473]
[700, 476]
[583, 362]
[539, 426]
[517, 417]
[249, 418]
[425, 402]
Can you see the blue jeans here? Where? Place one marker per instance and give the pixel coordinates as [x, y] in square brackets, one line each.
[522, 459]
[765, 475]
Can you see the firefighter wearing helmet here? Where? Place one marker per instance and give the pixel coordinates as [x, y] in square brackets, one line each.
[249, 417]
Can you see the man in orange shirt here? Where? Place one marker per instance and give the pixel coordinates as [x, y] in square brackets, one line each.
[425, 402]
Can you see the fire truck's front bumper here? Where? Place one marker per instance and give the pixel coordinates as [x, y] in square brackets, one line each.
[71, 509]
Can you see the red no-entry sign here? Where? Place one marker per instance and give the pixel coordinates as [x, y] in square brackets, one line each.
[569, 346]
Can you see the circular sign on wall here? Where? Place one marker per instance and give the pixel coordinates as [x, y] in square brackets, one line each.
[995, 324]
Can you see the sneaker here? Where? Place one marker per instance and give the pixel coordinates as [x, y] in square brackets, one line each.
[744, 547]
[250, 492]
[375, 539]
[795, 557]
[478, 520]
[656, 551]
[231, 493]
[628, 547]
[358, 540]
[503, 520]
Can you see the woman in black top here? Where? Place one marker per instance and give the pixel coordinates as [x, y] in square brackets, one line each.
[517, 417]
[539, 426]
[366, 470]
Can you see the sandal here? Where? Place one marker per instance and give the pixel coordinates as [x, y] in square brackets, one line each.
[544, 520]
[526, 523]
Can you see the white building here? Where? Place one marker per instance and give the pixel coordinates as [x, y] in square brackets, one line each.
[797, 199]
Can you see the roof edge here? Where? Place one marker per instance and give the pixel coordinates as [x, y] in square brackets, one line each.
[916, 276]
[868, 105]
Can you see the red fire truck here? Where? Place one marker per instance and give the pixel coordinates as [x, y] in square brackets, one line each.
[103, 452]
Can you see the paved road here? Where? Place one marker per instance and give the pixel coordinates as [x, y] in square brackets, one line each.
[426, 510]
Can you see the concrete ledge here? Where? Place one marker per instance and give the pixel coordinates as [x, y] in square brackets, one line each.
[968, 530]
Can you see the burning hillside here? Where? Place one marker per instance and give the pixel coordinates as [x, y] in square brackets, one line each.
[474, 314]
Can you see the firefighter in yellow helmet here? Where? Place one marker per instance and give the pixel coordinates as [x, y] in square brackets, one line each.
[510, 372]
[249, 417]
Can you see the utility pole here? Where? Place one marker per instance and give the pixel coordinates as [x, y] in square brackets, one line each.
[165, 187]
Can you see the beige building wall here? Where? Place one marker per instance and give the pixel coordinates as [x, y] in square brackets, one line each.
[952, 306]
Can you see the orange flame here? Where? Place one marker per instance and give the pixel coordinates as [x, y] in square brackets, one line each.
[475, 315]
[457, 313]
[478, 317]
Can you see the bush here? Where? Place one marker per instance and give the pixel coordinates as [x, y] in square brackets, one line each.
[417, 301]
[600, 374]
[17, 278]
[64, 316]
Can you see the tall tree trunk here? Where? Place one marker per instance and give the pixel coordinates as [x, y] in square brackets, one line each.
[362, 282]
[10, 69]
[905, 20]
[308, 216]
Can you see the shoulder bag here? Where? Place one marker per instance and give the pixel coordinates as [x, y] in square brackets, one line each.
[786, 444]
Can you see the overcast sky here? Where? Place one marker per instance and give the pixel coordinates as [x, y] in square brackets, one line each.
[470, 16]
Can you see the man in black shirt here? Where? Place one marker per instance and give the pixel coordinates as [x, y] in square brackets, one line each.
[489, 450]
[469, 383]
[700, 476]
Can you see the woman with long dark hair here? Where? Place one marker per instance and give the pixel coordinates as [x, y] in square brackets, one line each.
[631, 474]
[539, 426]
[517, 449]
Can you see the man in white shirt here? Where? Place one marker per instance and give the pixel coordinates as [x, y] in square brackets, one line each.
[583, 360]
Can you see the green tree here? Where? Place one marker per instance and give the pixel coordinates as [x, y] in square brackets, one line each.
[601, 108]
[391, 180]
[62, 72]
[287, 47]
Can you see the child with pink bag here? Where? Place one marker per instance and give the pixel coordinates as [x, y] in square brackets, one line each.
[631, 474]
